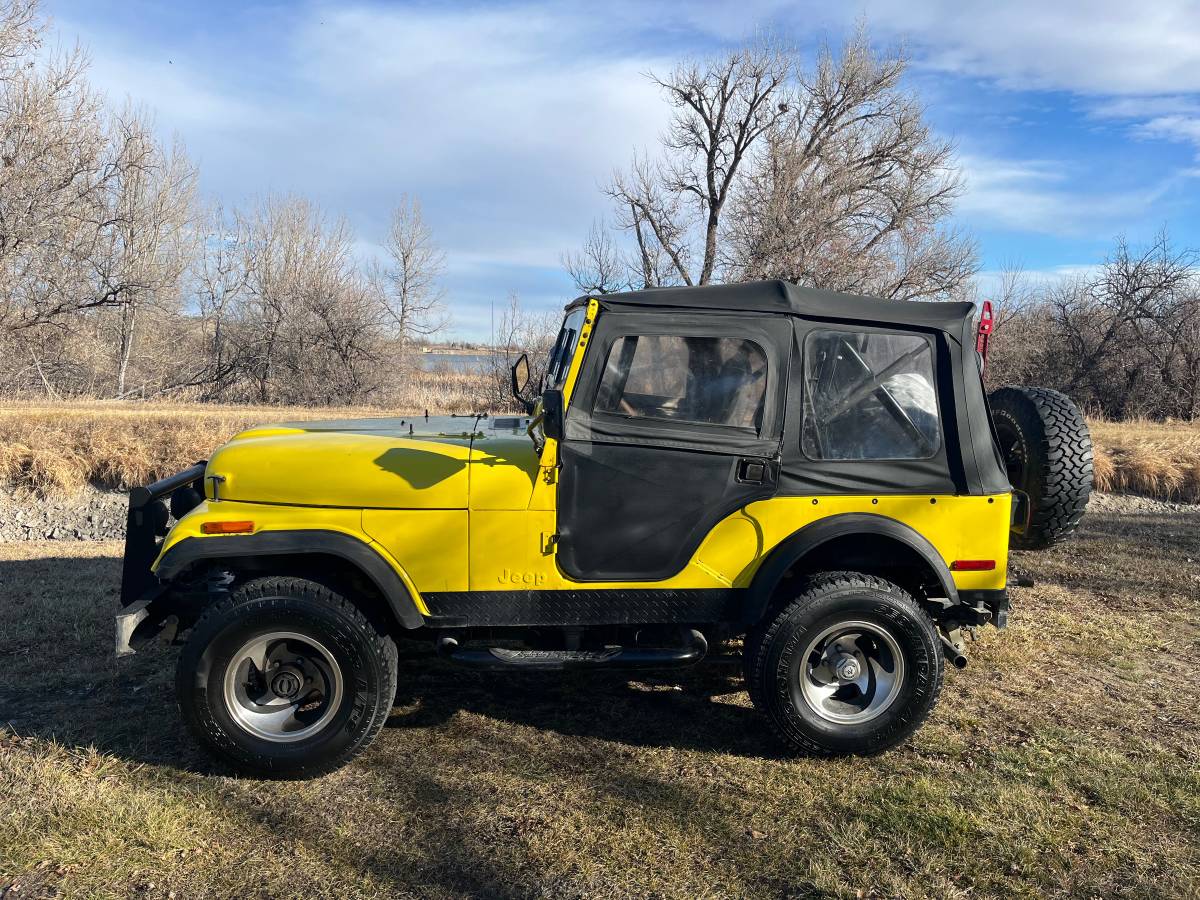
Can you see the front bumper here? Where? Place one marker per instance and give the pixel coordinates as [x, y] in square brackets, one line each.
[128, 620]
[145, 525]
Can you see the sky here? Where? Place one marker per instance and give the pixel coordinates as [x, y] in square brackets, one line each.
[1074, 122]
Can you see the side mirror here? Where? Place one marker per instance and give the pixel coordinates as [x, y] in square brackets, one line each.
[552, 414]
[520, 381]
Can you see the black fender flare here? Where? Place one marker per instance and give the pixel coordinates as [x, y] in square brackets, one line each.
[799, 544]
[279, 543]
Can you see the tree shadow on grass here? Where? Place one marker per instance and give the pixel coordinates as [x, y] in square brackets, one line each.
[701, 708]
[61, 680]
[60, 683]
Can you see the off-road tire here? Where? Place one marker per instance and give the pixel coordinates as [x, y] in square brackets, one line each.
[773, 666]
[1048, 452]
[367, 660]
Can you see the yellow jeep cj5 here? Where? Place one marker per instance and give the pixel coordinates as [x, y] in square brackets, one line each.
[817, 473]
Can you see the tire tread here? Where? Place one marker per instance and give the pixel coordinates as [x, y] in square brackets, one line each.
[759, 640]
[1065, 445]
[280, 588]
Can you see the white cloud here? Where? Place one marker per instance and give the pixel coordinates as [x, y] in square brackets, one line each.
[1170, 117]
[504, 119]
[1175, 127]
[504, 122]
[991, 284]
[1086, 46]
[1101, 47]
[1037, 196]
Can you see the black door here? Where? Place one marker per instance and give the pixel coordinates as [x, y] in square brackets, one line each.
[674, 424]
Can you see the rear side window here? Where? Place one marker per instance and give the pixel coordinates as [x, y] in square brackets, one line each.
[700, 380]
[869, 396]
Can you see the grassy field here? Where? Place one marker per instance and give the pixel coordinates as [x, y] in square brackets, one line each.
[1063, 761]
[57, 448]
[1154, 459]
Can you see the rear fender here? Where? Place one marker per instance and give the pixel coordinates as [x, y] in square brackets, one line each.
[792, 551]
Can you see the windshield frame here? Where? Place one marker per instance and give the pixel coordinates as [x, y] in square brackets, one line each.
[565, 345]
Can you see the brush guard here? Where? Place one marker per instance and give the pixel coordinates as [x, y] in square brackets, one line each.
[145, 526]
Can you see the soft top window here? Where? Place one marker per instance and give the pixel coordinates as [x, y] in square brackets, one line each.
[698, 380]
[869, 395]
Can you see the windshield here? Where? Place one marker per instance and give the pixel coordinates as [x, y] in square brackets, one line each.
[564, 349]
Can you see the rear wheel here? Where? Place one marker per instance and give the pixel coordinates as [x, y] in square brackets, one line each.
[851, 666]
[286, 678]
[1047, 451]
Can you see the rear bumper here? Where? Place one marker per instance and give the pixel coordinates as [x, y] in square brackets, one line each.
[994, 603]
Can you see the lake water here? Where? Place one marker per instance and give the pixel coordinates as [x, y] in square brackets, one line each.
[455, 362]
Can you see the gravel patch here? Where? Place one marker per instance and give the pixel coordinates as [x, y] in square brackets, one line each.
[92, 515]
[1132, 503]
[96, 515]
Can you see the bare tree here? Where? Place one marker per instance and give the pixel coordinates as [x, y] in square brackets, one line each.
[413, 299]
[20, 33]
[219, 281]
[94, 211]
[829, 178]
[850, 189]
[307, 323]
[673, 207]
[148, 241]
[101, 249]
[1123, 341]
[56, 182]
[598, 267]
[1021, 332]
[519, 331]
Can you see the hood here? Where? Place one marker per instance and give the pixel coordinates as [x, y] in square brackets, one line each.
[358, 463]
[385, 463]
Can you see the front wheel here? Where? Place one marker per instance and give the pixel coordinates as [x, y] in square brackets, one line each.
[286, 678]
[851, 666]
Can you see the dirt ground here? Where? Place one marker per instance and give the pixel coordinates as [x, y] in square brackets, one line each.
[1064, 761]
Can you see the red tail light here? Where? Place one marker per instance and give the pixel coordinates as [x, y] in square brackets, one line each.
[973, 565]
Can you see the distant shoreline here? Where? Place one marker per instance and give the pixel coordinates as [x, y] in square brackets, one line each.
[462, 351]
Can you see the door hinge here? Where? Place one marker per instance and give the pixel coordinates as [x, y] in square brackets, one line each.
[549, 474]
[549, 540]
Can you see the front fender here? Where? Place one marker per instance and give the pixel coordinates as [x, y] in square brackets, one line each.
[368, 558]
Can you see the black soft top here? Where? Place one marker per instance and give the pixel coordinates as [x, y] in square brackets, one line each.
[782, 297]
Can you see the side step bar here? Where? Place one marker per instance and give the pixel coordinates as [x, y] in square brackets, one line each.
[559, 660]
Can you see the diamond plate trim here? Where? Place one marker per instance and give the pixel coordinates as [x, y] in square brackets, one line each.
[615, 606]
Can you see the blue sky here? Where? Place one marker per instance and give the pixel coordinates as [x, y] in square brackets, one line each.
[1074, 121]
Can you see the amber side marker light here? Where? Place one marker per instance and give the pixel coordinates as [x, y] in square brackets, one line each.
[226, 527]
[973, 565]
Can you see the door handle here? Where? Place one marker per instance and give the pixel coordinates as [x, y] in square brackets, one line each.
[752, 471]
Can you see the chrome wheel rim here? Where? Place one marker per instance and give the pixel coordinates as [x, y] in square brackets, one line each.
[283, 686]
[851, 672]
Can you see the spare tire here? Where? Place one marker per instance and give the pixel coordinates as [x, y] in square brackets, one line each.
[1047, 450]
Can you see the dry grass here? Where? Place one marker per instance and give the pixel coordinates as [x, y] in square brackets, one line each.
[58, 448]
[1154, 459]
[1063, 762]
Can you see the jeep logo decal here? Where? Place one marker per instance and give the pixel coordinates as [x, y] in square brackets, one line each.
[508, 576]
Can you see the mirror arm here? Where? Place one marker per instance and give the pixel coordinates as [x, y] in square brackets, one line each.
[539, 444]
